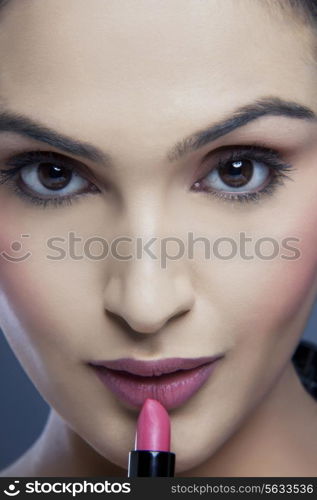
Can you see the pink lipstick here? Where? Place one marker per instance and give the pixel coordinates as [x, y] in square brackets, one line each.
[152, 456]
[171, 381]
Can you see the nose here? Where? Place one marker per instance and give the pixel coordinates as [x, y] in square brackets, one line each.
[145, 297]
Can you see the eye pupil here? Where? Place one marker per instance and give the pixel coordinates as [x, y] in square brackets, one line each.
[236, 173]
[53, 176]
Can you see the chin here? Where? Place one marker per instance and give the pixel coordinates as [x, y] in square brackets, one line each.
[191, 457]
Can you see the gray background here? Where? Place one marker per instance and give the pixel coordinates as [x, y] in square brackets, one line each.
[23, 412]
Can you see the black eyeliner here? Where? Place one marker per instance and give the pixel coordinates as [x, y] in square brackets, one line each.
[270, 157]
[18, 162]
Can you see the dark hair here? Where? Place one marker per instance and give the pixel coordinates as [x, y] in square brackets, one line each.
[307, 8]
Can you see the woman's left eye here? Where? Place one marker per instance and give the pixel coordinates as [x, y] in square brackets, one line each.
[46, 178]
[245, 174]
[239, 175]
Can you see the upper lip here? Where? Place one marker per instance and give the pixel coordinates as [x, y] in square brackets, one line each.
[154, 368]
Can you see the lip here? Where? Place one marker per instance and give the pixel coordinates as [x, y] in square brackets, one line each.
[171, 381]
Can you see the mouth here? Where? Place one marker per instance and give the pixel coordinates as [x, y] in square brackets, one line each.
[171, 381]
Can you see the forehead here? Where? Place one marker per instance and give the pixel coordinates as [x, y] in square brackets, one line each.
[114, 61]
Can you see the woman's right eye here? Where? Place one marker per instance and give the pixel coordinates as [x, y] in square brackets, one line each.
[46, 178]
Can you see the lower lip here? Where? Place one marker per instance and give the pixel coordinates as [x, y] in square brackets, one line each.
[171, 390]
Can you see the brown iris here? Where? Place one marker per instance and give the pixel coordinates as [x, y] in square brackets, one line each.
[236, 173]
[53, 176]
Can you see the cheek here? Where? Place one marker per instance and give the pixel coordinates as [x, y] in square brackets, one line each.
[289, 286]
[46, 324]
[293, 289]
[33, 303]
[23, 305]
[276, 296]
[258, 296]
[15, 287]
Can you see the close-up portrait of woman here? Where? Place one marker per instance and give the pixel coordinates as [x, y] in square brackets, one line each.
[158, 214]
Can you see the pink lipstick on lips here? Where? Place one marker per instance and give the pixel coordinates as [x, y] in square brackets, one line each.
[171, 381]
[152, 456]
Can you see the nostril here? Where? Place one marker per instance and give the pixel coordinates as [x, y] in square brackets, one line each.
[177, 315]
[124, 324]
[147, 324]
[119, 320]
[140, 326]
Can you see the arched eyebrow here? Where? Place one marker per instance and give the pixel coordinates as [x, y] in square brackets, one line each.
[28, 127]
[268, 106]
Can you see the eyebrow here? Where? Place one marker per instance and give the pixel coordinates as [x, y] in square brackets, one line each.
[27, 127]
[268, 106]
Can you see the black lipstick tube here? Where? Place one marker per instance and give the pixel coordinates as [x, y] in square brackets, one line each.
[146, 463]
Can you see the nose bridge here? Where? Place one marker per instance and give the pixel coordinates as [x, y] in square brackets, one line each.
[147, 290]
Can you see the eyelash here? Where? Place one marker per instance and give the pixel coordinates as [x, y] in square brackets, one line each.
[31, 157]
[261, 154]
[269, 157]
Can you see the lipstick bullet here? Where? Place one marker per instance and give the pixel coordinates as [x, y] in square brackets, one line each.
[152, 456]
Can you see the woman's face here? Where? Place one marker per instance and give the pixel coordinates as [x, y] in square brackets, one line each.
[133, 79]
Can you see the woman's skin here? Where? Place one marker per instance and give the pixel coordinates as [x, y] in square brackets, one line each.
[133, 79]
